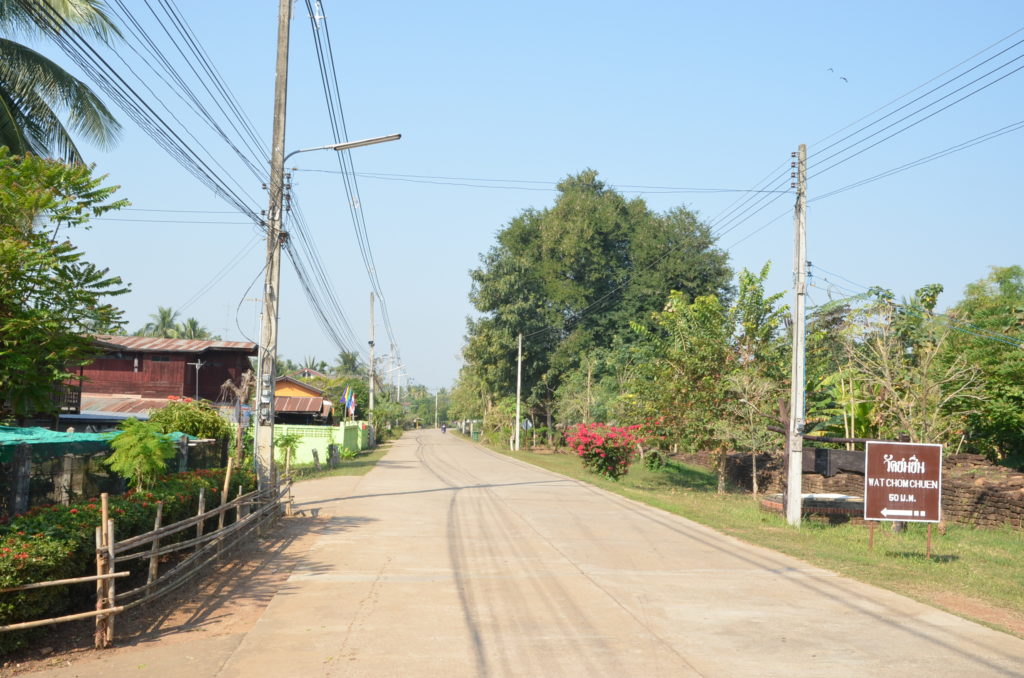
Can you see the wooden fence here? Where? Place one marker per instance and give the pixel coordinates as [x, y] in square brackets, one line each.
[251, 513]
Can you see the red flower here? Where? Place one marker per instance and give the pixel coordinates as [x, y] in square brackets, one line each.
[73, 511]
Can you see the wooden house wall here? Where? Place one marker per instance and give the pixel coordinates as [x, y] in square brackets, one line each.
[159, 379]
[153, 380]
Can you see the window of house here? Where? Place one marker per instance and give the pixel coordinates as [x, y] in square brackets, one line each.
[160, 358]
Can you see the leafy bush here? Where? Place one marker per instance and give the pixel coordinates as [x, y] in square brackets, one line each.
[605, 450]
[140, 452]
[26, 558]
[57, 542]
[196, 418]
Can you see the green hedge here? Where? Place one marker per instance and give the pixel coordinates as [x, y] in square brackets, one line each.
[59, 542]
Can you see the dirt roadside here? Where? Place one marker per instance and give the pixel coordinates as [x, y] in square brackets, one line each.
[227, 600]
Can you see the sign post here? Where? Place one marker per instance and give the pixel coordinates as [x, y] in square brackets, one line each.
[903, 481]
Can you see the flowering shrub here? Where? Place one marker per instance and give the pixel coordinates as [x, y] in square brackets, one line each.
[604, 449]
[58, 542]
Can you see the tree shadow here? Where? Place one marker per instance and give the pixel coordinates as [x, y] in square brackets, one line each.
[919, 555]
[688, 478]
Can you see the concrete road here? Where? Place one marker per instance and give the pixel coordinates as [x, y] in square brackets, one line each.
[449, 560]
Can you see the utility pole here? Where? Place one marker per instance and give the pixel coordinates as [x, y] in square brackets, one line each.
[436, 394]
[394, 377]
[373, 375]
[264, 456]
[794, 479]
[519, 388]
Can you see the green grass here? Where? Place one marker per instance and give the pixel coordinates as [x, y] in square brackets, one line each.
[968, 566]
[358, 466]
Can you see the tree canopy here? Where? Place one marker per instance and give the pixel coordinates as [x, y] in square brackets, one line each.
[572, 277]
[49, 294]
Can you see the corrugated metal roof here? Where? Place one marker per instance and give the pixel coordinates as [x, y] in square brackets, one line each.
[120, 404]
[161, 345]
[293, 404]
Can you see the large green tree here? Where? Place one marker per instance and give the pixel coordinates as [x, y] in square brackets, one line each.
[49, 294]
[572, 277]
[42, 106]
[989, 335]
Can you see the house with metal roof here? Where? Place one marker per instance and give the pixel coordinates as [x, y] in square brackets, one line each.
[134, 375]
[296, 402]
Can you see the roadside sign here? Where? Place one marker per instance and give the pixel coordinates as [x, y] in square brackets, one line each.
[903, 481]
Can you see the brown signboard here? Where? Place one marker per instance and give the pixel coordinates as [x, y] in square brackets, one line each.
[903, 481]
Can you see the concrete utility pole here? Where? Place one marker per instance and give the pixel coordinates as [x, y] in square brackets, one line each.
[519, 388]
[268, 331]
[794, 479]
[435, 409]
[372, 366]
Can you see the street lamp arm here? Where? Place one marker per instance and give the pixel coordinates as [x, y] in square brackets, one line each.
[347, 145]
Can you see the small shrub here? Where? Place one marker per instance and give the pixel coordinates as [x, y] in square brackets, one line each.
[654, 460]
[605, 450]
[140, 452]
[288, 443]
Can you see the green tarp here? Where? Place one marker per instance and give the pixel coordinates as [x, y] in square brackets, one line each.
[47, 444]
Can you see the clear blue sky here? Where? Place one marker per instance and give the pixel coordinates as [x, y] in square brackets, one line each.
[664, 94]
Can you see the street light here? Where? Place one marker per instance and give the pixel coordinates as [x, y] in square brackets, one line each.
[344, 146]
[264, 432]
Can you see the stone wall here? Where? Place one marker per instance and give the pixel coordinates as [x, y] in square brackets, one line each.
[974, 490]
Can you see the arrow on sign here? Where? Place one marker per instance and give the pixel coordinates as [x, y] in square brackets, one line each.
[886, 512]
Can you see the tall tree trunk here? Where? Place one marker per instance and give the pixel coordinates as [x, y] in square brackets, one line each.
[720, 466]
[753, 471]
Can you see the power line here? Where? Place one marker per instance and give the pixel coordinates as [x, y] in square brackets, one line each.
[217, 277]
[549, 186]
[954, 323]
[331, 88]
[175, 221]
[70, 40]
[915, 100]
[988, 136]
[918, 122]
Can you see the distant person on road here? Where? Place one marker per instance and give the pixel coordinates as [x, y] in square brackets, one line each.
[444, 427]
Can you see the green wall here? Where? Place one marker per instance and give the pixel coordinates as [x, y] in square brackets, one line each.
[351, 434]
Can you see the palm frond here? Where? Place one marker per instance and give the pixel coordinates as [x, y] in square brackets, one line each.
[42, 90]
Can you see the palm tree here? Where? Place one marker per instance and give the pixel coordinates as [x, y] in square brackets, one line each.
[312, 363]
[347, 363]
[163, 323]
[36, 93]
[193, 329]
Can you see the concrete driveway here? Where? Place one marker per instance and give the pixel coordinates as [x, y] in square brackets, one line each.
[449, 560]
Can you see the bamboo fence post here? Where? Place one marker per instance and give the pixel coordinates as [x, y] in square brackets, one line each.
[111, 583]
[224, 492]
[100, 634]
[202, 510]
[239, 512]
[154, 561]
[104, 513]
